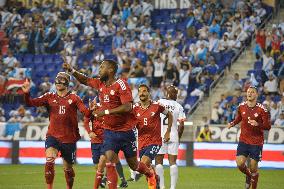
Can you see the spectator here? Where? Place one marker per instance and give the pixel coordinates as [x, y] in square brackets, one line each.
[10, 61]
[159, 66]
[147, 7]
[270, 86]
[274, 112]
[107, 6]
[204, 135]
[235, 85]
[279, 122]
[72, 31]
[2, 113]
[89, 31]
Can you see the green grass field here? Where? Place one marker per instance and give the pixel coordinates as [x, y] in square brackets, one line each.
[31, 177]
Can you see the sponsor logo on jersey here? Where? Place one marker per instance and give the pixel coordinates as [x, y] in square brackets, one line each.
[70, 101]
[255, 115]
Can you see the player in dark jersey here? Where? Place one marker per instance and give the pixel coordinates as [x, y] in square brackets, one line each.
[148, 113]
[63, 131]
[254, 119]
[118, 120]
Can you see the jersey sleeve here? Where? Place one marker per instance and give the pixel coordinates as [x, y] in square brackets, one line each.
[238, 117]
[125, 92]
[181, 115]
[81, 107]
[39, 101]
[86, 123]
[93, 82]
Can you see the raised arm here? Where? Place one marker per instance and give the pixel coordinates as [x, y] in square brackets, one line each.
[40, 101]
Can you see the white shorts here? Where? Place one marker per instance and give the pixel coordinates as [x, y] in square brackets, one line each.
[169, 148]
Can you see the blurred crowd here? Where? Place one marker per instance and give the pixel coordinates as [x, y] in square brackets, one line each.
[183, 47]
[267, 75]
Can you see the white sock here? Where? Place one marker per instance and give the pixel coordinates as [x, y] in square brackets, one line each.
[160, 173]
[132, 174]
[174, 175]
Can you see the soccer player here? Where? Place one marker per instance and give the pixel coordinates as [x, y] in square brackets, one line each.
[170, 147]
[97, 148]
[254, 118]
[118, 120]
[63, 131]
[148, 113]
[96, 135]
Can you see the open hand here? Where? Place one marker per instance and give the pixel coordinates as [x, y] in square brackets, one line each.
[26, 86]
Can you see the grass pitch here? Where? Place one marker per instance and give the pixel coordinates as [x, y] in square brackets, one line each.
[31, 177]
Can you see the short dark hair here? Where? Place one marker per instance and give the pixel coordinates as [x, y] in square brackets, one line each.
[112, 63]
[144, 85]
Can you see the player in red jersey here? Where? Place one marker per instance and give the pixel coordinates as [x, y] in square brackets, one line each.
[254, 119]
[116, 99]
[97, 147]
[148, 113]
[63, 131]
[96, 135]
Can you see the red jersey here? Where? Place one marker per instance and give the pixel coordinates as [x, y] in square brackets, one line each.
[97, 128]
[261, 40]
[252, 134]
[149, 124]
[111, 97]
[62, 114]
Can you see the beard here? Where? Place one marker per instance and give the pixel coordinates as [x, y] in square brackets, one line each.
[104, 78]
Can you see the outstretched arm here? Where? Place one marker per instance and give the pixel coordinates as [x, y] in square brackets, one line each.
[79, 76]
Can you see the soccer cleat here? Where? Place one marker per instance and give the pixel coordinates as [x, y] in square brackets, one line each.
[248, 182]
[130, 179]
[103, 183]
[137, 177]
[123, 184]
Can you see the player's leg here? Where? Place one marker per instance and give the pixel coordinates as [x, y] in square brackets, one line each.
[160, 169]
[68, 153]
[159, 164]
[242, 154]
[112, 146]
[255, 155]
[119, 170]
[172, 155]
[51, 145]
[99, 160]
[173, 170]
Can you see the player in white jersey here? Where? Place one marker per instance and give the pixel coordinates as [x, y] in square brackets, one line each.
[171, 147]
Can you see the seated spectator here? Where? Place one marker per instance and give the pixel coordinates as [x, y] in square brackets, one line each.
[10, 61]
[45, 86]
[279, 122]
[72, 31]
[204, 135]
[28, 118]
[89, 31]
[235, 85]
[88, 47]
[2, 114]
[182, 94]
[42, 114]
[274, 112]
[270, 86]
[268, 101]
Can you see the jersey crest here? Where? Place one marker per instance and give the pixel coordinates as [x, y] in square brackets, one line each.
[70, 101]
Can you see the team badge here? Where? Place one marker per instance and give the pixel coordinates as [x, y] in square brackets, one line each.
[70, 101]
[255, 115]
[152, 113]
[138, 115]
[54, 101]
[101, 89]
[112, 92]
[244, 112]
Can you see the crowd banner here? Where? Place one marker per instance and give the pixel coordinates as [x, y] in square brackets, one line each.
[5, 152]
[224, 155]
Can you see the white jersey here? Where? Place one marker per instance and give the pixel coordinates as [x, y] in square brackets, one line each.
[178, 115]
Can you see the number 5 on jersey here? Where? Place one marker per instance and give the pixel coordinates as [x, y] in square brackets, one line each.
[145, 121]
[61, 109]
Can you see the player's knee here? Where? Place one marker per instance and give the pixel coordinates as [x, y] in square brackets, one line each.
[50, 160]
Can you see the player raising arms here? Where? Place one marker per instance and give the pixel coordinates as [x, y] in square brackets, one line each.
[116, 99]
[148, 113]
[63, 131]
[170, 147]
[254, 118]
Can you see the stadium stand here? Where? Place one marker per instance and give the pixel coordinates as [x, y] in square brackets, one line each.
[197, 44]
